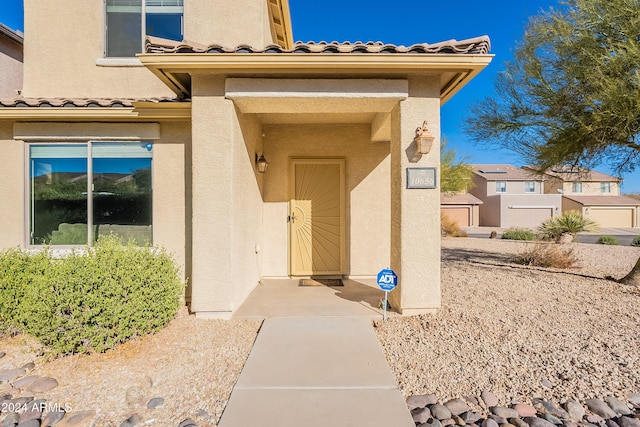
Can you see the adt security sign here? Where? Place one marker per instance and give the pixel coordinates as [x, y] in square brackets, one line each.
[387, 279]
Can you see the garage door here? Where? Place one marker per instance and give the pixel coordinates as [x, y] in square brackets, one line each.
[527, 217]
[460, 215]
[612, 217]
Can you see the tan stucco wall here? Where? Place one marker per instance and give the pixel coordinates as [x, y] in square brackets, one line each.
[11, 58]
[12, 164]
[513, 187]
[247, 205]
[225, 24]
[535, 201]
[226, 207]
[415, 213]
[570, 205]
[367, 191]
[591, 188]
[60, 60]
[169, 190]
[552, 185]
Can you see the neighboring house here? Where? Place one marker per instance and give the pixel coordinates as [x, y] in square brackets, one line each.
[596, 195]
[512, 197]
[167, 133]
[462, 208]
[11, 59]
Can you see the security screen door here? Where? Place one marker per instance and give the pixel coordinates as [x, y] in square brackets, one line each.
[316, 217]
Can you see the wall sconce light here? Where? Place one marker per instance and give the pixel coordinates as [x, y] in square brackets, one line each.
[424, 139]
[261, 163]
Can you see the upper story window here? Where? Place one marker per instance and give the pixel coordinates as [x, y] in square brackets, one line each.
[529, 186]
[576, 187]
[605, 187]
[130, 21]
[501, 186]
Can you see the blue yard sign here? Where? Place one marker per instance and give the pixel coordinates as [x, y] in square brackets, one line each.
[387, 279]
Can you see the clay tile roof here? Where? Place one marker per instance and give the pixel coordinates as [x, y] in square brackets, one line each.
[475, 46]
[77, 102]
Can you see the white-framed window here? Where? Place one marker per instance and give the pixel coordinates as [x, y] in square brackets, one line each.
[605, 187]
[501, 186]
[80, 191]
[529, 186]
[576, 187]
[128, 22]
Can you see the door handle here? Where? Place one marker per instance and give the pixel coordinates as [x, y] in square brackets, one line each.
[291, 218]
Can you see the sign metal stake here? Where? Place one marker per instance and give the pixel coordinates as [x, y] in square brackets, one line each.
[384, 317]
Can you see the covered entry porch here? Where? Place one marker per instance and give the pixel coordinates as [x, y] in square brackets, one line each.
[358, 113]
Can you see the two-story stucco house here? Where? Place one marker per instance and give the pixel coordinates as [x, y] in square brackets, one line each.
[594, 194]
[513, 197]
[11, 59]
[202, 127]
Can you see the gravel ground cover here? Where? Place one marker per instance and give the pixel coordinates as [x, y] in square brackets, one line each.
[184, 372]
[522, 332]
[518, 332]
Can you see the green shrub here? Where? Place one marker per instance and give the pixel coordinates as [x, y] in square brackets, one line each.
[92, 300]
[636, 241]
[515, 233]
[608, 240]
[571, 222]
[546, 255]
[20, 273]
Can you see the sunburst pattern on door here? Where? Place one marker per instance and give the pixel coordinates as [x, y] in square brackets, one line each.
[316, 217]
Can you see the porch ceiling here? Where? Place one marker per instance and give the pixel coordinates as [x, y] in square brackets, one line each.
[320, 101]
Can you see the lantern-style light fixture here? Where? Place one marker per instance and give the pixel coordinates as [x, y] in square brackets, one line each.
[424, 139]
[261, 163]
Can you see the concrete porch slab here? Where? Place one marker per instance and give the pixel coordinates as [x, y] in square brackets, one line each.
[284, 298]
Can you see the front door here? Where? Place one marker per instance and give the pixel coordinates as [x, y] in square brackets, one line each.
[316, 217]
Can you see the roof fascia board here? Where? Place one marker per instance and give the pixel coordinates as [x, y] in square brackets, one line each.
[280, 18]
[253, 62]
[13, 35]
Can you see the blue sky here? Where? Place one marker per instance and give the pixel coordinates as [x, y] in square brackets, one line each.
[407, 22]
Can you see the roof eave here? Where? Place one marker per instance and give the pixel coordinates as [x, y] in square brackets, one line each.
[280, 19]
[141, 111]
[173, 69]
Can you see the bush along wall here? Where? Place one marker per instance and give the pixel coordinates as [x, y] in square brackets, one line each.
[90, 300]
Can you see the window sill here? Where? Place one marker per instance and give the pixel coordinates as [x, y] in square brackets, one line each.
[118, 62]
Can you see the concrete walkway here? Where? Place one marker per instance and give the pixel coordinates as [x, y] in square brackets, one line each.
[316, 371]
